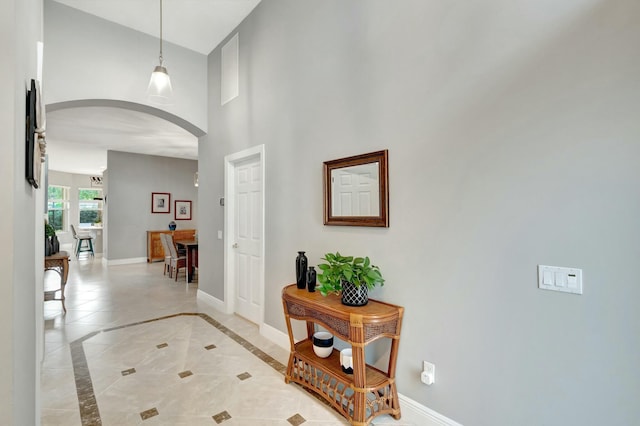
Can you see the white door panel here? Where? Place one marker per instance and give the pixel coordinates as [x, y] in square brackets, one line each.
[248, 237]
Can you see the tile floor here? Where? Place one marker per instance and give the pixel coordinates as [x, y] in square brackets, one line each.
[135, 348]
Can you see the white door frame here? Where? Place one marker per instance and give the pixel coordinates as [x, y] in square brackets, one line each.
[230, 162]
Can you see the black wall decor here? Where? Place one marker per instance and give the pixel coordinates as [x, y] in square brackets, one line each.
[30, 160]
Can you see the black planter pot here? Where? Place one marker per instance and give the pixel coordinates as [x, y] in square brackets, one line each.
[353, 295]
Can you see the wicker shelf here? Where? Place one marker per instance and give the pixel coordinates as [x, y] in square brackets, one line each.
[374, 377]
[368, 392]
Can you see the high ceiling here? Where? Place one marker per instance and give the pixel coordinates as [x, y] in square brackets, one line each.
[198, 25]
[78, 138]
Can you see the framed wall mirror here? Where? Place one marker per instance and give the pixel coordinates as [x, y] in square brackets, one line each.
[356, 190]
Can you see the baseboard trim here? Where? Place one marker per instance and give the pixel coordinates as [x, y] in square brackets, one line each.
[416, 413]
[214, 302]
[412, 411]
[126, 261]
[276, 336]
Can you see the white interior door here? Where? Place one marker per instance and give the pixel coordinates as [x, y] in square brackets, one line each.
[248, 239]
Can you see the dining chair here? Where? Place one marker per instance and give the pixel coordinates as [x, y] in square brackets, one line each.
[177, 261]
[167, 255]
[81, 238]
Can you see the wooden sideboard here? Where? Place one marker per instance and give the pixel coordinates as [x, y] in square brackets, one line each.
[368, 392]
[155, 251]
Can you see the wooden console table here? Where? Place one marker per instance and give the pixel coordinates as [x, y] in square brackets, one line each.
[368, 392]
[58, 262]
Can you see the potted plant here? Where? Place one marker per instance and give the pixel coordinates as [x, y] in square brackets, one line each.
[353, 276]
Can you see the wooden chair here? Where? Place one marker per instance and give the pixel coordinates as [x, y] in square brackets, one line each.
[177, 262]
[167, 255]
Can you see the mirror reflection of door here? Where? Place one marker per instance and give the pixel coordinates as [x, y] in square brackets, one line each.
[355, 190]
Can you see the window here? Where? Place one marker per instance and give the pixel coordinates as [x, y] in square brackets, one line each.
[58, 207]
[90, 207]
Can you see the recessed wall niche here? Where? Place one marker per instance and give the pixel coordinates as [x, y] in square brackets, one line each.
[229, 72]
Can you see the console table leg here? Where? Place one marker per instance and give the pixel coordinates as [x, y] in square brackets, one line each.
[64, 308]
[395, 403]
[359, 369]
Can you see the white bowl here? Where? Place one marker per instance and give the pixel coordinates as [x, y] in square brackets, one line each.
[322, 343]
[322, 352]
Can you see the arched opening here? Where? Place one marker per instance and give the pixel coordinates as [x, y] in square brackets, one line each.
[80, 132]
[131, 106]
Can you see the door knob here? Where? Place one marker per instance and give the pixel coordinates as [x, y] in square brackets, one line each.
[235, 245]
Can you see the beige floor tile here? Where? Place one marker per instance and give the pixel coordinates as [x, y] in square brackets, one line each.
[101, 299]
[56, 417]
[58, 389]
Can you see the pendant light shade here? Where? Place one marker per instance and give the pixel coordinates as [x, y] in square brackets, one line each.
[160, 90]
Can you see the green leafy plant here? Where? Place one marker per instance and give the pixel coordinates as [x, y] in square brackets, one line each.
[49, 230]
[356, 270]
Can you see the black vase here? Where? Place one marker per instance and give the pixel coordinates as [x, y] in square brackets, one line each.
[301, 270]
[353, 295]
[48, 247]
[55, 244]
[311, 279]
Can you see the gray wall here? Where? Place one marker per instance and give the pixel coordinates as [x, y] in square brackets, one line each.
[131, 180]
[104, 61]
[21, 224]
[512, 132]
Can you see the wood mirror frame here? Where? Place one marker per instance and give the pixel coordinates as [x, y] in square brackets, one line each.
[382, 220]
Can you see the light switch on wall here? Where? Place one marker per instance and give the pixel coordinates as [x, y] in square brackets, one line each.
[557, 278]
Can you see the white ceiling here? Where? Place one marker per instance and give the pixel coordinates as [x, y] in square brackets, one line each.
[78, 138]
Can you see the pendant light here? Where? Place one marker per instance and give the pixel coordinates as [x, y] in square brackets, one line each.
[159, 90]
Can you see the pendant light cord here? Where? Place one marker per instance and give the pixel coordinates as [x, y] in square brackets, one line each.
[160, 32]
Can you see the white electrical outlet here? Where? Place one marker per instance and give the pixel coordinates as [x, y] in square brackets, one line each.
[428, 375]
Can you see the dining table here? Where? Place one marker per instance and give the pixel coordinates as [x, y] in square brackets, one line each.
[191, 248]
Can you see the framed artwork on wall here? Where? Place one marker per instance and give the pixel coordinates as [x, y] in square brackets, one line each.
[183, 210]
[160, 202]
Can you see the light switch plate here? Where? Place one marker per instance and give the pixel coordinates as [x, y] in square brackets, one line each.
[558, 278]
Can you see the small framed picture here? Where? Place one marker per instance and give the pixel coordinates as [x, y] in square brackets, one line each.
[160, 202]
[183, 210]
